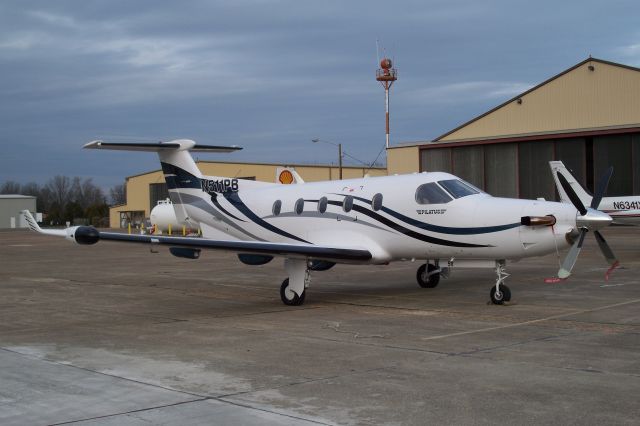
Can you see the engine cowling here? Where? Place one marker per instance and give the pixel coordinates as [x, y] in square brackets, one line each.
[254, 259]
[185, 252]
[85, 235]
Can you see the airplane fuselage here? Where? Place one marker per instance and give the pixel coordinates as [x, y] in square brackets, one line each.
[382, 214]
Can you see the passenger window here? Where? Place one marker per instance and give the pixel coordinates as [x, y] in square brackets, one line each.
[299, 206]
[347, 204]
[376, 202]
[431, 193]
[322, 204]
[458, 188]
[277, 206]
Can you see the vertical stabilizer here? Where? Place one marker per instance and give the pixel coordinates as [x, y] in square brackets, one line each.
[180, 170]
[559, 167]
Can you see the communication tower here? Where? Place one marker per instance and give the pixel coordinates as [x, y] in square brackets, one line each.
[386, 75]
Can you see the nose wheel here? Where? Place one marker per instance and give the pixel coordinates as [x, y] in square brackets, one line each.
[500, 293]
[498, 297]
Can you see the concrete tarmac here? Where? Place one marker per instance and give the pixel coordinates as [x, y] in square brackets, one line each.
[112, 334]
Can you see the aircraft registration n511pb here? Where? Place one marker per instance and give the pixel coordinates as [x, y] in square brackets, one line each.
[434, 217]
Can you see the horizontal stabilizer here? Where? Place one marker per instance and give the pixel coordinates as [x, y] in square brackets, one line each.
[174, 145]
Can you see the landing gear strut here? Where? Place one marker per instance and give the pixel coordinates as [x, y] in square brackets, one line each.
[500, 293]
[292, 290]
[428, 275]
[288, 296]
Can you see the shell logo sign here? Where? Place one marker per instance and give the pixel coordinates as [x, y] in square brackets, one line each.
[285, 177]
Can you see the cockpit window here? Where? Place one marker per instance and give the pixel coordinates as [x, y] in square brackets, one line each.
[431, 193]
[458, 188]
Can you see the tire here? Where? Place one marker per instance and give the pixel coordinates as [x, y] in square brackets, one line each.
[296, 300]
[425, 281]
[505, 295]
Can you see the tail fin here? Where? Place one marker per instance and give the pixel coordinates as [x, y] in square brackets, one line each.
[180, 171]
[559, 167]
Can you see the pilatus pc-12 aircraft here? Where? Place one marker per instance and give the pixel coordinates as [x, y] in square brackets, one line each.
[434, 217]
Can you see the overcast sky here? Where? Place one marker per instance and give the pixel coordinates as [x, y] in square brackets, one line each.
[271, 75]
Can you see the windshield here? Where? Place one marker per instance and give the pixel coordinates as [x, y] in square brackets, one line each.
[458, 188]
[430, 193]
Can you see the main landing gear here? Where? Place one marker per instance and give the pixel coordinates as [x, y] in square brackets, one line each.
[292, 290]
[428, 275]
[500, 293]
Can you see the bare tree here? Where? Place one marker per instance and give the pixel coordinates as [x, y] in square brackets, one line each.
[65, 199]
[118, 194]
[33, 189]
[60, 189]
[44, 199]
[92, 195]
[10, 187]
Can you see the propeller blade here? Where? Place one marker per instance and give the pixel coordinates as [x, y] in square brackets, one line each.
[601, 189]
[575, 200]
[606, 250]
[572, 256]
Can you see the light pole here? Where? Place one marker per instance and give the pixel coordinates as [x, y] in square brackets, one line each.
[339, 145]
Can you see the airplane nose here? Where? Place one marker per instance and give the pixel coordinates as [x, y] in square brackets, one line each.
[593, 220]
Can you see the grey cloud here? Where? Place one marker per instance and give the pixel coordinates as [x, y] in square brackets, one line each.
[270, 75]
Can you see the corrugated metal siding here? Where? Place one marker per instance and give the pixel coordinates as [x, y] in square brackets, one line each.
[608, 96]
[11, 207]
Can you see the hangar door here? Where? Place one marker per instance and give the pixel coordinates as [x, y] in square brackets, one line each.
[493, 168]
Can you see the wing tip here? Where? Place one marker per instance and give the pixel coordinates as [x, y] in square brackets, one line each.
[33, 225]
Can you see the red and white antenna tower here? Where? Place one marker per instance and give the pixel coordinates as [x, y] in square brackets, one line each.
[386, 75]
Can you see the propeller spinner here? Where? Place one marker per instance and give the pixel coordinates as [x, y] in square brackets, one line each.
[588, 219]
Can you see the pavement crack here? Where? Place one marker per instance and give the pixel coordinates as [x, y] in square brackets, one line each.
[336, 325]
[197, 397]
[303, 382]
[89, 370]
[124, 413]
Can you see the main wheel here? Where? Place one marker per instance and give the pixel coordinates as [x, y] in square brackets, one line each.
[503, 296]
[424, 279]
[288, 296]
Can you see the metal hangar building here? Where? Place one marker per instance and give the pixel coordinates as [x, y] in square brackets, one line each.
[587, 116]
[10, 207]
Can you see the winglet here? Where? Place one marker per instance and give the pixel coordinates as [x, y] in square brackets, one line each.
[31, 221]
[36, 228]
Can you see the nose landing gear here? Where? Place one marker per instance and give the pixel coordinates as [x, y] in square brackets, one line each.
[500, 293]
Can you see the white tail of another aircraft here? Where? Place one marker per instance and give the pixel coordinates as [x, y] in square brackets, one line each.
[559, 167]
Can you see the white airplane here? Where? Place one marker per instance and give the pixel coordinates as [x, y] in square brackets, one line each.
[623, 210]
[434, 217]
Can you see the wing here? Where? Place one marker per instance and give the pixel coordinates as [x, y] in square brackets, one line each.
[90, 235]
[335, 254]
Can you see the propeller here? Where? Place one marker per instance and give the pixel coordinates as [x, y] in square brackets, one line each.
[588, 219]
